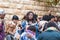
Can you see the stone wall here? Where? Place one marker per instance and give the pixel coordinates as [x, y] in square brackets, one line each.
[21, 7]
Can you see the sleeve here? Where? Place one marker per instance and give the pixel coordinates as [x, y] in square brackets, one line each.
[23, 23]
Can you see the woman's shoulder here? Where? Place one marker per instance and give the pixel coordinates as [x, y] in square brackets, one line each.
[24, 22]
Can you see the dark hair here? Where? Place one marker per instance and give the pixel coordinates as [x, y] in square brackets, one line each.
[32, 28]
[50, 14]
[49, 17]
[15, 17]
[33, 19]
[52, 24]
[52, 17]
[45, 17]
[35, 16]
[24, 17]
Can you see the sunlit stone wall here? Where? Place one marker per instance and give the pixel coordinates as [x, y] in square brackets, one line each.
[21, 7]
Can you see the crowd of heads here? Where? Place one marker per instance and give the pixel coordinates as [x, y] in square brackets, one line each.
[31, 19]
[31, 24]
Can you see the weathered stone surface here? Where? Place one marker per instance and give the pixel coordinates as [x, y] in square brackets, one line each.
[28, 7]
[28, 2]
[39, 8]
[21, 7]
[4, 4]
[14, 1]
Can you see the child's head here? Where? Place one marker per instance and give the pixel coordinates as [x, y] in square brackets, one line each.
[2, 14]
[32, 28]
[15, 18]
[31, 31]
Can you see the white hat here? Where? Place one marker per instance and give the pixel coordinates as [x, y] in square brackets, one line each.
[2, 11]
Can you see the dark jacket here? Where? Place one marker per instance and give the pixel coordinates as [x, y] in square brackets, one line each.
[49, 35]
[2, 34]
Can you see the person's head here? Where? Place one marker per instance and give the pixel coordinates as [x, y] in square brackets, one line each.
[31, 31]
[30, 15]
[2, 14]
[52, 18]
[52, 24]
[15, 19]
[32, 28]
[45, 17]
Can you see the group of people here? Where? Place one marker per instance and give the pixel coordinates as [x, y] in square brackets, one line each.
[31, 27]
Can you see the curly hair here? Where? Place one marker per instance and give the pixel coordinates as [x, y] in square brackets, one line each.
[33, 19]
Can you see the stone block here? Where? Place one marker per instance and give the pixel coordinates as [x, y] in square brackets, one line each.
[28, 2]
[28, 7]
[19, 6]
[36, 3]
[25, 0]
[4, 4]
[14, 1]
[39, 8]
[12, 5]
[9, 11]
[1, 0]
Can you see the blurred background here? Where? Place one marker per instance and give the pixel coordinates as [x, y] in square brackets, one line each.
[21, 7]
